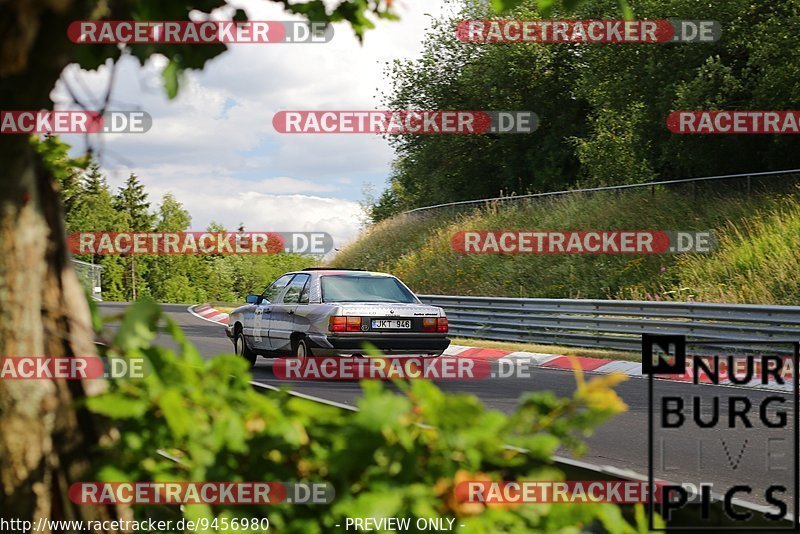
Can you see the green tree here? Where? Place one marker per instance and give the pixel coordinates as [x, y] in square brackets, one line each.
[172, 217]
[602, 108]
[92, 204]
[454, 75]
[132, 200]
[174, 278]
[91, 209]
[43, 310]
[66, 170]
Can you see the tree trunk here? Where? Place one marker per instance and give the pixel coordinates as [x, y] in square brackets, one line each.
[45, 442]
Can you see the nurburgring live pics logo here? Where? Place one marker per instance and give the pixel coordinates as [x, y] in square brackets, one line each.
[737, 435]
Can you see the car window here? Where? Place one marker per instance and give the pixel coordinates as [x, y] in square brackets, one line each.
[295, 288]
[271, 293]
[349, 288]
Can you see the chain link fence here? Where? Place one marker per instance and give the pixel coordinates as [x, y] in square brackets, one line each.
[90, 276]
[702, 188]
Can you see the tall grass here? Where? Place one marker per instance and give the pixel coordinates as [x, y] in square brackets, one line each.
[757, 260]
[385, 242]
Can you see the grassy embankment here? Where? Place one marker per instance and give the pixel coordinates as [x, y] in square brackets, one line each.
[758, 259]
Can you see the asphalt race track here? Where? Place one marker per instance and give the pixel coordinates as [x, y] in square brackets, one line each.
[724, 457]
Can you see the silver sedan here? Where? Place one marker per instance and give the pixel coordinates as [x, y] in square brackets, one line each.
[336, 312]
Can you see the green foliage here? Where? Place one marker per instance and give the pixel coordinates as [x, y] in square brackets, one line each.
[546, 6]
[454, 75]
[402, 454]
[602, 108]
[755, 263]
[616, 153]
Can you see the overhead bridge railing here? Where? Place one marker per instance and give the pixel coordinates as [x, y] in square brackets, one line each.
[619, 324]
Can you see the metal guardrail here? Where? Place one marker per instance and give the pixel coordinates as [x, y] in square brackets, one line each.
[746, 179]
[618, 324]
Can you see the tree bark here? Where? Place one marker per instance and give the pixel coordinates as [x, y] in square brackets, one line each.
[45, 442]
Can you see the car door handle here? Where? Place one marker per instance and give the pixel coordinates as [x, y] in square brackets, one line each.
[267, 311]
[291, 312]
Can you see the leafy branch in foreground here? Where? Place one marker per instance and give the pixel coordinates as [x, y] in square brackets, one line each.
[400, 455]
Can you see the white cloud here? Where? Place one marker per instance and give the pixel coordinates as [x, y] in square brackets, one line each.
[265, 212]
[214, 146]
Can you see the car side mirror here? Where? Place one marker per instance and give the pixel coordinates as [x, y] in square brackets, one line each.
[253, 299]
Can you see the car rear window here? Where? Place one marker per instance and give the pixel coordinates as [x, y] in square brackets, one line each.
[349, 288]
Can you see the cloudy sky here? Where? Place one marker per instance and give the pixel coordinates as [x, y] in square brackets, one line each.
[214, 146]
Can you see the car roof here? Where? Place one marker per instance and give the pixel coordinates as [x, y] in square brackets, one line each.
[333, 270]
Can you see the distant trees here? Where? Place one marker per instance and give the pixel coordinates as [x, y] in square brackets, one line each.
[90, 206]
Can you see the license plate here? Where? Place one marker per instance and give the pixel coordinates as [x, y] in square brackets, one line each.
[391, 324]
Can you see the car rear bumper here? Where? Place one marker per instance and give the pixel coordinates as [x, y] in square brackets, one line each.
[389, 345]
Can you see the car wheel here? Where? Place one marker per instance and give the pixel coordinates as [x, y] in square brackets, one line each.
[241, 348]
[302, 352]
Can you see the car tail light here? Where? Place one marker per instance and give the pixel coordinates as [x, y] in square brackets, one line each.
[441, 324]
[429, 324]
[337, 324]
[342, 323]
[354, 324]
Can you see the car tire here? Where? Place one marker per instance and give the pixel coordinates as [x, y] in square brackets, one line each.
[241, 348]
[302, 351]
